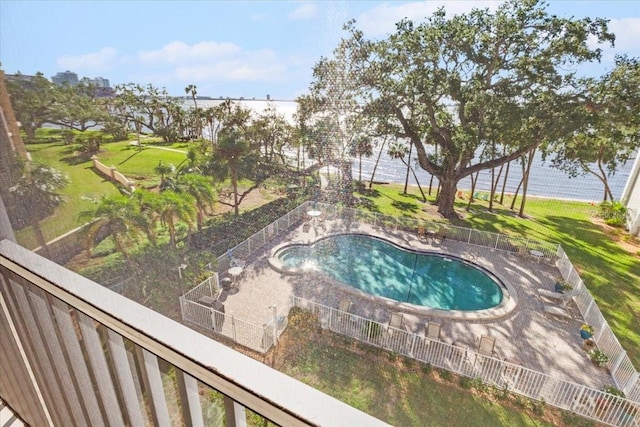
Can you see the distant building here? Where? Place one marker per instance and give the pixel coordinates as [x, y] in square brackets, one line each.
[97, 82]
[100, 85]
[65, 78]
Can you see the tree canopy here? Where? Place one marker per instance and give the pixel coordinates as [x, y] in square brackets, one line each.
[484, 88]
[609, 126]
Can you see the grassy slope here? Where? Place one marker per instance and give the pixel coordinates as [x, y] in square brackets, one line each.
[398, 390]
[86, 185]
[138, 164]
[611, 273]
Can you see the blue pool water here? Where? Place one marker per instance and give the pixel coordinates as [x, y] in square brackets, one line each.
[380, 268]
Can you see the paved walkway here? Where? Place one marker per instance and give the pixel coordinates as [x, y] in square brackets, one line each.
[526, 335]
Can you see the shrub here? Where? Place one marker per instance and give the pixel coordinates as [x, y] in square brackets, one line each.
[613, 391]
[427, 368]
[598, 357]
[465, 383]
[445, 375]
[538, 406]
[613, 213]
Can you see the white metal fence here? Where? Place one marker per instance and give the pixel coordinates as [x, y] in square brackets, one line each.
[75, 353]
[622, 370]
[461, 234]
[580, 399]
[262, 237]
[299, 214]
[255, 337]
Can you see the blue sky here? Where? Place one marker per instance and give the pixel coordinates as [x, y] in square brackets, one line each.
[242, 48]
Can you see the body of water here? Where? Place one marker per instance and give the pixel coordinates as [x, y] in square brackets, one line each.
[544, 180]
[382, 269]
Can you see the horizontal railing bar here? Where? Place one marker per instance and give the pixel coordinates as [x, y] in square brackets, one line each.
[252, 384]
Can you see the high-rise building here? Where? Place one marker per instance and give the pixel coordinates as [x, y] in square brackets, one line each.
[65, 78]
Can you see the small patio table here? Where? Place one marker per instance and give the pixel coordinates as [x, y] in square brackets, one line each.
[235, 272]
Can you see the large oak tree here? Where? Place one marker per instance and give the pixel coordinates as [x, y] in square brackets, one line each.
[483, 88]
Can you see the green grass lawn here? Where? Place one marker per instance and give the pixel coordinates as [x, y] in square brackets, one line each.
[85, 188]
[397, 390]
[609, 272]
[138, 164]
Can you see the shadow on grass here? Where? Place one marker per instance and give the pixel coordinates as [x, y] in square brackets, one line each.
[76, 159]
[405, 207]
[138, 151]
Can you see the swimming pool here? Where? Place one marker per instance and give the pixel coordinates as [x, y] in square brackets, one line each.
[381, 268]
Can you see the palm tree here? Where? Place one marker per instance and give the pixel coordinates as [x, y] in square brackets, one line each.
[176, 207]
[164, 169]
[362, 146]
[191, 89]
[117, 216]
[200, 188]
[37, 192]
[196, 116]
[398, 151]
[228, 158]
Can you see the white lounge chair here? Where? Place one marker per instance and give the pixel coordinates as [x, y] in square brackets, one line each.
[397, 320]
[487, 346]
[344, 305]
[555, 296]
[557, 311]
[432, 331]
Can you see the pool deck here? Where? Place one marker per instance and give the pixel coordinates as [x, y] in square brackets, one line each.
[525, 335]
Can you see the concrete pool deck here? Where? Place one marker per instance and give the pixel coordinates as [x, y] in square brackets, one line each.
[525, 335]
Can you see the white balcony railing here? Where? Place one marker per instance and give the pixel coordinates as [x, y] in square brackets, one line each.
[76, 353]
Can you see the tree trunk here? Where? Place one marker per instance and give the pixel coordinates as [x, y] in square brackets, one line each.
[406, 179]
[199, 219]
[373, 173]
[504, 183]
[172, 233]
[41, 239]
[602, 176]
[234, 183]
[525, 181]
[409, 168]
[474, 181]
[30, 131]
[446, 197]
[515, 195]
[494, 185]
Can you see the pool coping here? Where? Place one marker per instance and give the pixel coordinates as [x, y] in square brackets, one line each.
[505, 308]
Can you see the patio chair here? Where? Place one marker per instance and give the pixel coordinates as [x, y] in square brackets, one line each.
[422, 234]
[237, 263]
[432, 331]
[442, 234]
[557, 312]
[487, 346]
[396, 320]
[561, 298]
[345, 305]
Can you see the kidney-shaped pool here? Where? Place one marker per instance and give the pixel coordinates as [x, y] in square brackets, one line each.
[380, 268]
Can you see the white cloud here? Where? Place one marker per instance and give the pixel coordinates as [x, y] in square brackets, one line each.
[304, 11]
[247, 67]
[98, 61]
[381, 19]
[178, 52]
[627, 31]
